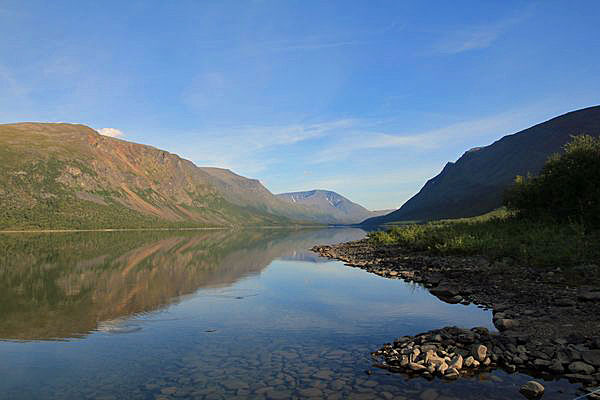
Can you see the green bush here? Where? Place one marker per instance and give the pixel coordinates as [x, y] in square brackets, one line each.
[567, 188]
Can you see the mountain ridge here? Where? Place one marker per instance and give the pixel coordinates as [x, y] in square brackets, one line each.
[58, 175]
[475, 183]
[331, 203]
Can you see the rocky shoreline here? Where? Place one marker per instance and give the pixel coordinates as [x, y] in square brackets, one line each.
[548, 319]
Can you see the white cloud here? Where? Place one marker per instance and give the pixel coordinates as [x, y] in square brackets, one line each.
[111, 132]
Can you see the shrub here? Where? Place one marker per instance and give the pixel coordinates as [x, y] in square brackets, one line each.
[567, 188]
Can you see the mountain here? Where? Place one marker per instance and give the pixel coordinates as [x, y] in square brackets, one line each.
[475, 183]
[55, 176]
[340, 209]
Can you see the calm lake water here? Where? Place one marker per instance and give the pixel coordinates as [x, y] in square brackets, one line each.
[213, 315]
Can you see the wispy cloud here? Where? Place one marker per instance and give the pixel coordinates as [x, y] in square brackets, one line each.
[254, 149]
[355, 38]
[111, 132]
[362, 140]
[477, 37]
[315, 45]
[11, 84]
[241, 148]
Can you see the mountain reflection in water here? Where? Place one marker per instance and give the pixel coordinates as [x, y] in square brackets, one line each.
[66, 285]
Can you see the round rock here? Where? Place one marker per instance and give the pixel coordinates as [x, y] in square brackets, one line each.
[532, 390]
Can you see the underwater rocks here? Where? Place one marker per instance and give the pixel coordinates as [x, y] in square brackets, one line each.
[451, 352]
[548, 320]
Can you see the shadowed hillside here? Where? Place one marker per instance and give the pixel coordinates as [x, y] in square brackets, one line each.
[475, 184]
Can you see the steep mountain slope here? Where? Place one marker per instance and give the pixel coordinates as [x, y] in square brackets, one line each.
[331, 203]
[476, 182]
[251, 193]
[69, 176]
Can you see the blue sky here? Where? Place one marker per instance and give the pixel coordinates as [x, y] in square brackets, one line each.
[369, 99]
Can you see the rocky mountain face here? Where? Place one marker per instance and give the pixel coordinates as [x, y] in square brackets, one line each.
[475, 183]
[340, 209]
[69, 176]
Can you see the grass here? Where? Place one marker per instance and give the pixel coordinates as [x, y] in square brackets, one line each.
[499, 235]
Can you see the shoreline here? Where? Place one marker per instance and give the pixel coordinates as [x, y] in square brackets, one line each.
[548, 320]
[167, 229]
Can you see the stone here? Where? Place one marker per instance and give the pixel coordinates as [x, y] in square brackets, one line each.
[457, 363]
[452, 374]
[432, 358]
[469, 361]
[311, 392]
[323, 374]
[504, 324]
[442, 368]
[444, 291]
[479, 352]
[591, 357]
[532, 390]
[404, 361]
[482, 330]
[541, 364]
[565, 302]
[562, 357]
[467, 337]
[579, 367]
[416, 367]
[589, 296]
[279, 394]
[429, 394]
[585, 379]
[427, 347]
[453, 300]
[556, 367]
[168, 390]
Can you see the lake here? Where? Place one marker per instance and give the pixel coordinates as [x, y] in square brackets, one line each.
[215, 314]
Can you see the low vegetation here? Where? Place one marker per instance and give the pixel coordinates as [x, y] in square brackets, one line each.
[551, 220]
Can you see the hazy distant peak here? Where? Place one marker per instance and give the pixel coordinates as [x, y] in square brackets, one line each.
[330, 202]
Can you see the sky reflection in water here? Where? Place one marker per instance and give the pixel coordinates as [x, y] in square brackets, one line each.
[211, 314]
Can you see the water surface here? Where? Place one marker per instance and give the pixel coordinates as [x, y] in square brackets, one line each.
[213, 315]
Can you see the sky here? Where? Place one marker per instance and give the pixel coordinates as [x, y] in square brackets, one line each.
[366, 98]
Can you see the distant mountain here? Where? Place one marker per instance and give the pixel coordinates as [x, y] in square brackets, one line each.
[69, 176]
[475, 183]
[341, 210]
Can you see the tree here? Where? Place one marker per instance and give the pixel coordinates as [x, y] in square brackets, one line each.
[566, 189]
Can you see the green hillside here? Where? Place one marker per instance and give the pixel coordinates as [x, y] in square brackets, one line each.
[63, 176]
